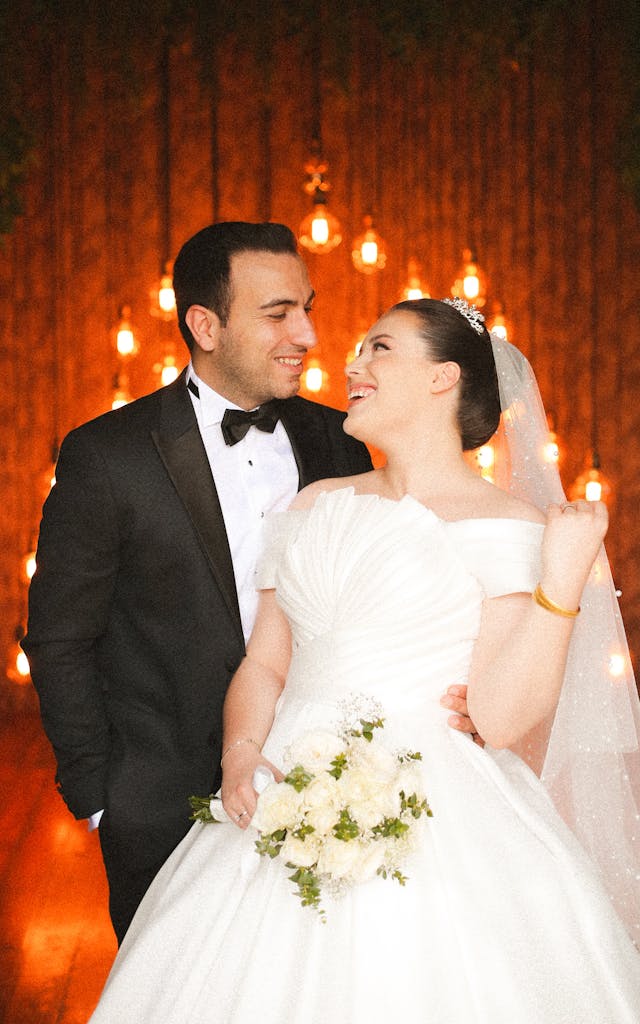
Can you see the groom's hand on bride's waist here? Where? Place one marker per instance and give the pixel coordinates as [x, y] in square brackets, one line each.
[455, 698]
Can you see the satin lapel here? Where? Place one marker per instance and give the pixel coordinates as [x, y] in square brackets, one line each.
[309, 440]
[180, 447]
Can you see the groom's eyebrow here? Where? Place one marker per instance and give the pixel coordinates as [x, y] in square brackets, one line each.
[287, 302]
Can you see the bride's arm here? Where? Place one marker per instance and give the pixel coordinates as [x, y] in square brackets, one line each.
[249, 707]
[521, 652]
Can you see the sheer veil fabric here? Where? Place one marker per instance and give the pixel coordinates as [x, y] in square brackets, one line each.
[591, 767]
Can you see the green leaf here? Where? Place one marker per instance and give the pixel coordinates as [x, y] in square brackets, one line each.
[299, 778]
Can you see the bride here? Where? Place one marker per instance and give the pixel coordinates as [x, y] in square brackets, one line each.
[386, 588]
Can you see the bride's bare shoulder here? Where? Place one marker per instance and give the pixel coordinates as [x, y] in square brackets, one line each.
[307, 496]
[502, 505]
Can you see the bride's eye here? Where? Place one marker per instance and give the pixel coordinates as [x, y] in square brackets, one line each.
[377, 345]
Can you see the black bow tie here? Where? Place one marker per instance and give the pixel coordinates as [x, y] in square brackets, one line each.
[236, 422]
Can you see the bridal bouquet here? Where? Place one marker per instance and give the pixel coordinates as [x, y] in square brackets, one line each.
[346, 811]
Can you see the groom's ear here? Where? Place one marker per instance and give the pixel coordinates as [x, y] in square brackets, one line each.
[445, 377]
[204, 325]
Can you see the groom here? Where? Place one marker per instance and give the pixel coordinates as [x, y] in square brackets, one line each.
[144, 594]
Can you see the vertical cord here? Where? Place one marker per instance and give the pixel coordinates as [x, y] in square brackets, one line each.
[164, 107]
[531, 205]
[593, 198]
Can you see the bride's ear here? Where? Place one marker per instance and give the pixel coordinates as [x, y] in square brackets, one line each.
[445, 377]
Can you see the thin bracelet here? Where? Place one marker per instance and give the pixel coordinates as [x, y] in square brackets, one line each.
[545, 602]
[237, 744]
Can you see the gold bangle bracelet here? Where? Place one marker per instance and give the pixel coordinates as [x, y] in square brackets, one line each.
[237, 743]
[545, 602]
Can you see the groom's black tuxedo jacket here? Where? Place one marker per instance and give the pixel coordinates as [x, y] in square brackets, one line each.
[134, 629]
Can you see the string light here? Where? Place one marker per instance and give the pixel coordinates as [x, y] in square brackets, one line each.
[314, 378]
[369, 252]
[126, 342]
[414, 288]
[162, 296]
[470, 284]
[498, 324]
[320, 232]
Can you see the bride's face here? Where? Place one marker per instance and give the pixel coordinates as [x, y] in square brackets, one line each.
[390, 382]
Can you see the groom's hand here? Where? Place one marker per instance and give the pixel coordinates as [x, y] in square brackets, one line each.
[455, 699]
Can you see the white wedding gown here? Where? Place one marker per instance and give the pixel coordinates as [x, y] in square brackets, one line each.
[502, 920]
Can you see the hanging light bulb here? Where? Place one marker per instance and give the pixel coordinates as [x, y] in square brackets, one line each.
[121, 393]
[592, 484]
[415, 287]
[18, 670]
[320, 231]
[29, 565]
[470, 283]
[498, 324]
[168, 370]
[551, 448]
[162, 295]
[126, 342]
[314, 378]
[369, 253]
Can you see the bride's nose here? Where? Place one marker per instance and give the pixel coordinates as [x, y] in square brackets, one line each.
[353, 367]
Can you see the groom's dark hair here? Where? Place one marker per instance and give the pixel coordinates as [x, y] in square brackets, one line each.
[202, 270]
[451, 338]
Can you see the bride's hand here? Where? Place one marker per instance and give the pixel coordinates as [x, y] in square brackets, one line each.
[572, 538]
[239, 798]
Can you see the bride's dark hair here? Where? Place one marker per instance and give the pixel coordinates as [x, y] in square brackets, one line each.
[451, 338]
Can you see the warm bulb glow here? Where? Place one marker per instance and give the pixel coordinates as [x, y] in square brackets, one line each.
[320, 231]
[592, 484]
[369, 252]
[22, 664]
[166, 295]
[120, 397]
[551, 449]
[471, 286]
[125, 341]
[617, 665]
[313, 379]
[17, 663]
[29, 564]
[486, 456]
[169, 373]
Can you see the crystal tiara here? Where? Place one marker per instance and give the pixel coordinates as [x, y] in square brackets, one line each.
[470, 313]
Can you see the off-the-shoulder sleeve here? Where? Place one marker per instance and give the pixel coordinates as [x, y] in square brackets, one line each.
[278, 529]
[503, 554]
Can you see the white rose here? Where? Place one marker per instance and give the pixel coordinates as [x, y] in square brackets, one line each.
[337, 857]
[322, 792]
[315, 750]
[377, 761]
[356, 786]
[373, 811]
[322, 819]
[301, 852]
[279, 806]
[372, 858]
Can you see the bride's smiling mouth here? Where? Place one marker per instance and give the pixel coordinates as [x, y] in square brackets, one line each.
[360, 393]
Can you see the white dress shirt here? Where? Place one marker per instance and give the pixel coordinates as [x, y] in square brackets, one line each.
[254, 477]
